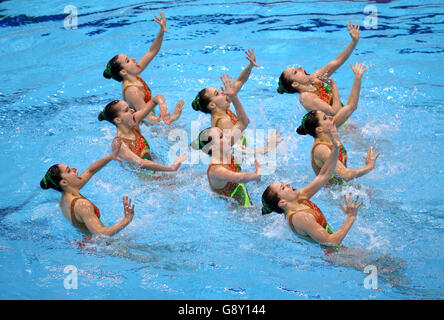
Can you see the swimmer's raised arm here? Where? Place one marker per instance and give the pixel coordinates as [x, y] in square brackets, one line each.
[328, 167]
[245, 74]
[99, 164]
[84, 209]
[155, 47]
[334, 65]
[353, 99]
[308, 224]
[230, 91]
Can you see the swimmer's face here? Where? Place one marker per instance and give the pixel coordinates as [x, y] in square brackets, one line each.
[217, 99]
[324, 120]
[70, 176]
[285, 192]
[298, 75]
[129, 65]
[125, 114]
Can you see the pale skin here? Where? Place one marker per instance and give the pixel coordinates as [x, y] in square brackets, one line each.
[131, 70]
[305, 83]
[322, 151]
[126, 121]
[299, 215]
[71, 184]
[222, 142]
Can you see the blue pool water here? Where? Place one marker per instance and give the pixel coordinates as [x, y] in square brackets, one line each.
[185, 243]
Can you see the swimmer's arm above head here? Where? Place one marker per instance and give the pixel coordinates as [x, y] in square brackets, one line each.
[99, 164]
[245, 74]
[155, 47]
[85, 210]
[223, 174]
[334, 65]
[353, 99]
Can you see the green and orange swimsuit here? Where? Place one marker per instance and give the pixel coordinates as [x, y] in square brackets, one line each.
[146, 91]
[325, 93]
[320, 219]
[234, 190]
[139, 145]
[342, 157]
[234, 121]
[315, 211]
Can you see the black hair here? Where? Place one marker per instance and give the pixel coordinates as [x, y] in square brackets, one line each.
[201, 102]
[113, 69]
[285, 85]
[270, 202]
[109, 113]
[52, 179]
[309, 124]
[205, 140]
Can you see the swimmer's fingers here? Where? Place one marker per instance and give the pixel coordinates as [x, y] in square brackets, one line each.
[251, 56]
[377, 155]
[343, 209]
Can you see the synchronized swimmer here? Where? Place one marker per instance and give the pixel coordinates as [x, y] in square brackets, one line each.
[318, 95]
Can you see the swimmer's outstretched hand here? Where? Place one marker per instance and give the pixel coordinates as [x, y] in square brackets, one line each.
[230, 88]
[161, 21]
[358, 69]
[128, 210]
[116, 144]
[177, 163]
[251, 57]
[177, 110]
[351, 206]
[274, 139]
[353, 30]
[370, 158]
[164, 114]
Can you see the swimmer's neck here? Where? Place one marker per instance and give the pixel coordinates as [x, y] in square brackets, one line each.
[124, 131]
[224, 158]
[130, 78]
[219, 113]
[309, 87]
[74, 192]
[324, 138]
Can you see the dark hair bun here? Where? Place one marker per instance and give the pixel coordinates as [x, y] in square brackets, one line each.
[195, 105]
[106, 75]
[300, 130]
[100, 116]
[43, 186]
[280, 91]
